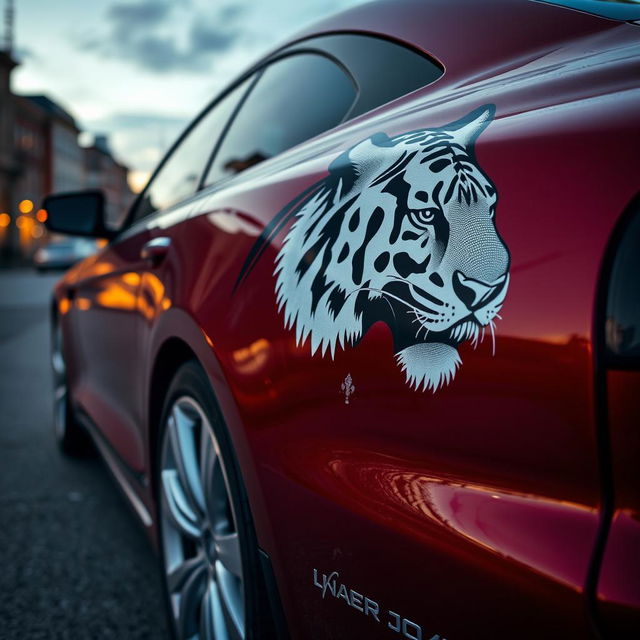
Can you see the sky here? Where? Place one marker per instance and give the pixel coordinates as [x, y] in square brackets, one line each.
[140, 70]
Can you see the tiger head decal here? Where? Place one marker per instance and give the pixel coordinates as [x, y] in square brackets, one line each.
[401, 231]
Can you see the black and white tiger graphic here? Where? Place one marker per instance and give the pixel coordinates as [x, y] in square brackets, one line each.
[402, 231]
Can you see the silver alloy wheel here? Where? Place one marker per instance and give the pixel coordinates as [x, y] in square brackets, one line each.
[60, 393]
[200, 542]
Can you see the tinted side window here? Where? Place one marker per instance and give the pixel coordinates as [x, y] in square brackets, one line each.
[384, 70]
[295, 98]
[623, 305]
[179, 176]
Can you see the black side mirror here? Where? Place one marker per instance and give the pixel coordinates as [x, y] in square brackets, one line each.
[81, 213]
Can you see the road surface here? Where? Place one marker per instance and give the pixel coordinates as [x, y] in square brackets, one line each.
[74, 562]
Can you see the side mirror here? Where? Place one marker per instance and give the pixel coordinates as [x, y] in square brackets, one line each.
[81, 213]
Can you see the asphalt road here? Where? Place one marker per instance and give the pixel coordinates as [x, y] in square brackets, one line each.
[74, 562]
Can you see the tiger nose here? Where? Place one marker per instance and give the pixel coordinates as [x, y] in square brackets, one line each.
[475, 293]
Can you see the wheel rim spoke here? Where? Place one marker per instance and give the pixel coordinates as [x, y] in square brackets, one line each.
[191, 597]
[212, 624]
[178, 507]
[228, 551]
[178, 576]
[60, 384]
[209, 465]
[182, 432]
[57, 359]
[231, 599]
[207, 631]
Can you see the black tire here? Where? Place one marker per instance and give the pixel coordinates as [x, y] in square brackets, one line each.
[190, 381]
[70, 435]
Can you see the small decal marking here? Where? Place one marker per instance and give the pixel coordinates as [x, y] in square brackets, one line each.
[348, 388]
[330, 585]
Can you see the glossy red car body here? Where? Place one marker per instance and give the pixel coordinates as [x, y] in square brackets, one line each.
[485, 510]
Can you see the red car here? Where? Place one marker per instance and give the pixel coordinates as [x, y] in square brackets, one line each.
[365, 357]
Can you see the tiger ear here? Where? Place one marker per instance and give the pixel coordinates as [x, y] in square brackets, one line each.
[362, 159]
[473, 124]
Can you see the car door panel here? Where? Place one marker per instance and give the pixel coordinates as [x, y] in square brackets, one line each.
[107, 324]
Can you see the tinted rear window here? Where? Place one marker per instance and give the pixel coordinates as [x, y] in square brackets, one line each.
[383, 69]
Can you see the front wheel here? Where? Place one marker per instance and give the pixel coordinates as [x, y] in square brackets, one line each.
[210, 565]
[72, 438]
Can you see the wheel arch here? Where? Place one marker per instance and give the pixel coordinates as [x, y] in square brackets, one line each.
[172, 354]
[176, 338]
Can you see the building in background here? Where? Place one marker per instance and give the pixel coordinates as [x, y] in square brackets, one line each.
[7, 160]
[30, 147]
[63, 168]
[40, 154]
[103, 171]
[30, 175]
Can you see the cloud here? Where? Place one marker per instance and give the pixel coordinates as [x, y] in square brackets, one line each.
[160, 35]
[126, 18]
[231, 11]
[156, 53]
[206, 38]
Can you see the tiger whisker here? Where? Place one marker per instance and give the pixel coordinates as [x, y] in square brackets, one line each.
[419, 318]
[493, 338]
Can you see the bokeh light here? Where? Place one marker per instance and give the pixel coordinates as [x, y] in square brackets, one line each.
[25, 206]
